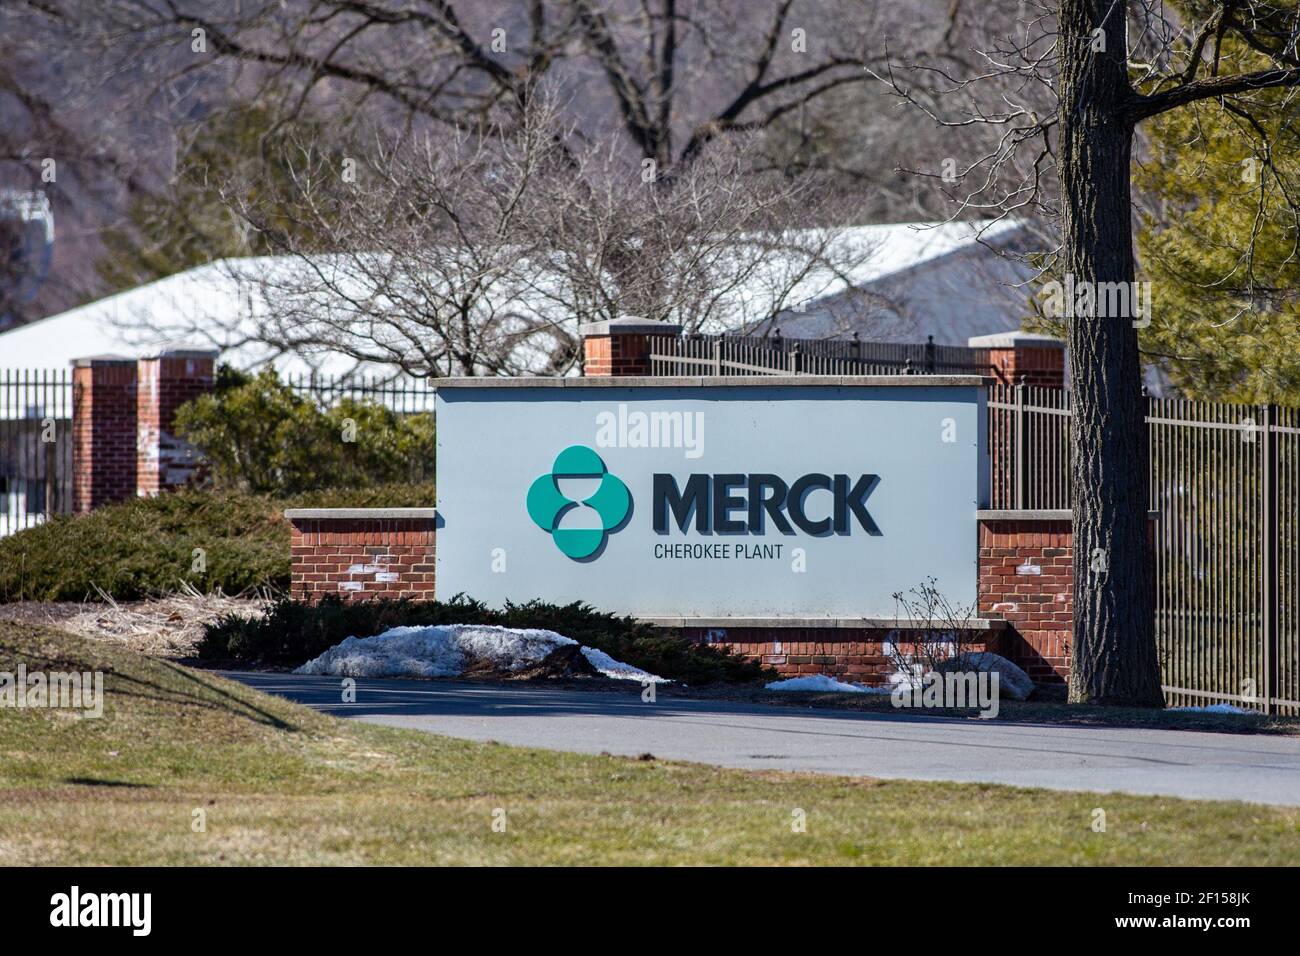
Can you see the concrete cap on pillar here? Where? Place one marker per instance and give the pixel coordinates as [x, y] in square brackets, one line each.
[629, 325]
[1011, 340]
[89, 361]
[181, 352]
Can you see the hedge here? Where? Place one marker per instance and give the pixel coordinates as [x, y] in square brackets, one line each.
[146, 546]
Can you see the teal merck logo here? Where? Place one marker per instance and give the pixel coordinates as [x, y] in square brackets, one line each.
[547, 505]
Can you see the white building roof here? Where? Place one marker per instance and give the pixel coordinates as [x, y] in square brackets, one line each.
[217, 305]
[157, 316]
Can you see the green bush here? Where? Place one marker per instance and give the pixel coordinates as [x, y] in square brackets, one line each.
[292, 633]
[259, 436]
[146, 546]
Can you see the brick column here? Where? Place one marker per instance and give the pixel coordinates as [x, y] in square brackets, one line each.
[103, 430]
[362, 554]
[620, 346]
[1026, 578]
[166, 382]
[1015, 356]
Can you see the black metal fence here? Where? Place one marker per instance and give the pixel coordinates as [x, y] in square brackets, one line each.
[775, 355]
[407, 396]
[35, 446]
[1225, 481]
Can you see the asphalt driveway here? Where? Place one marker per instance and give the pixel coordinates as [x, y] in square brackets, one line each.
[1255, 768]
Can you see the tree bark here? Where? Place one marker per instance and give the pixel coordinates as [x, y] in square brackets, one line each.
[1113, 658]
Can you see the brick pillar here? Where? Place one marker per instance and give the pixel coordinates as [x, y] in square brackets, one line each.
[1026, 578]
[1015, 356]
[620, 346]
[363, 554]
[103, 430]
[166, 382]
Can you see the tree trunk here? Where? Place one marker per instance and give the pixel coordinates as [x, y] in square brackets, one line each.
[1114, 653]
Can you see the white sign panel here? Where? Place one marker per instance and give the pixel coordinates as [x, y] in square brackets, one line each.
[746, 501]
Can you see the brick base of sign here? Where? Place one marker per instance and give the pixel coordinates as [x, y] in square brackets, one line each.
[1026, 579]
[359, 557]
[855, 655]
[1026, 591]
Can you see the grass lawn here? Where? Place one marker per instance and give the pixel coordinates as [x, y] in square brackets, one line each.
[280, 783]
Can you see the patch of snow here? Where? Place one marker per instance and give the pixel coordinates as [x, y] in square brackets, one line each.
[444, 649]
[1211, 709]
[820, 682]
[618, 670]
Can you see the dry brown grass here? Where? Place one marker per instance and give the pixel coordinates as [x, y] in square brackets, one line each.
[169, 627]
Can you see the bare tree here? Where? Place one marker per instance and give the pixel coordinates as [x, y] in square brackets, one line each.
[660, 79]
[410, 252]
[58, 156]
[932, 632]
[715, 248]
[476, 253]
[670, 75]
[1068, 91]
